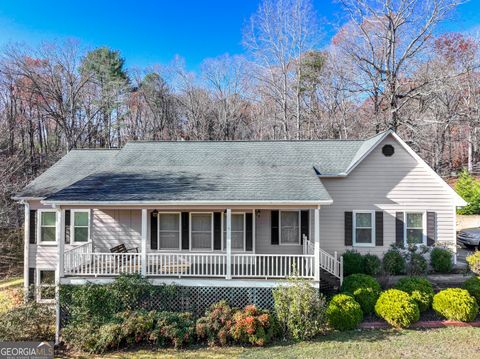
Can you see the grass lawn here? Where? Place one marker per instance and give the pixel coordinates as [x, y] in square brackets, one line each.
[10, 294]
[11, 282]
[434, 343]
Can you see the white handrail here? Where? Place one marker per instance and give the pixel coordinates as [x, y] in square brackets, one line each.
[187, 264]
[331, 264]
[75, 256]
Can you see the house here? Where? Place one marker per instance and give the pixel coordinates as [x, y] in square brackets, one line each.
[229, 213]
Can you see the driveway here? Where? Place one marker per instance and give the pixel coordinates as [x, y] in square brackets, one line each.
[462, 254]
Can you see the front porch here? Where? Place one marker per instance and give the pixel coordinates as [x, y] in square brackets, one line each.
[304, 258]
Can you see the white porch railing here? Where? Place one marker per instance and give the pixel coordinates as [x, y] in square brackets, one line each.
[329, 263]
[187, 264]
[272, 265]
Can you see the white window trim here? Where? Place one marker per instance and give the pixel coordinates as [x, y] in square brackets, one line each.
[179, 232]
[72, 225]
[38, 291]
[280, 229]
[39, 227]
[354, 229]
[190, 232]
[244, 233]
[424, 229]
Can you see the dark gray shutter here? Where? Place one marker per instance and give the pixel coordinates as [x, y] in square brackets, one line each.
[217, 231]
[185, 230]
[431, 228]
[33, 227]
[274, 227]
[399, 240]
[248, 232]
[67, 226]
[154, 230]
[379, 228]
[304, 225]
[31, 283]
[348, 228]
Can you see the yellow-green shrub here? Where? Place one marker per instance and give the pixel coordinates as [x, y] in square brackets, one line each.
[455, 304]
[397, 308]
[344, 313]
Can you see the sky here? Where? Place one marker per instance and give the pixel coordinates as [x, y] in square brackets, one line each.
[149, 32]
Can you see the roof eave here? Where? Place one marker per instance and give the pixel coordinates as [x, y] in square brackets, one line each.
[192, 202]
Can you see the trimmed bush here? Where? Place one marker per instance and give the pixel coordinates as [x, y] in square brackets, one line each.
[344, 313]
[472, 285]
[216, 325]
[397, 308]
[253, 326]
[455, 304]
[364, 288]
[393, 262]
[417, 264]
[473, 261]
[173, 329]
[420, 289]
[300, 309]
[441, 260]
[353, 262]
[372, 264]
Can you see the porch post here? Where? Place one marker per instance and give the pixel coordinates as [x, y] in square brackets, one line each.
[60, 236]
[229, 243]
[316, 248]
[26, 248]
[144, 242]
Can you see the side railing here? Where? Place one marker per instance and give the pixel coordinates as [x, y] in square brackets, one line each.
[329, 263]
[77, 257]
[187, 264]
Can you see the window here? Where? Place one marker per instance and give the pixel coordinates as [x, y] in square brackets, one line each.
[80, 226]
[201, 231]
[45, 285]
[414, 224]
[290, 227]
[168, 230]
[363, 233]
[237, 230]
[47, 224]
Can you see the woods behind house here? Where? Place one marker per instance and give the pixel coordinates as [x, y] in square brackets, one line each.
[388, 66]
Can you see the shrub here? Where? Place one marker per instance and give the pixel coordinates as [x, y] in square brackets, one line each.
[129, 290]
[253, 326]
[441, 260]
[393, 262]
[455, 304]
[397, 308]
[10, 298]
[372, 264]
[28, 322]
[84, 337]
[344, 313]
[420, 289]
[136, 325]
[472, 285]
[216, 325]
[353, 262]
[365, 289]
[300, 309]
[473, 261]
[417, 264]
[172, 328]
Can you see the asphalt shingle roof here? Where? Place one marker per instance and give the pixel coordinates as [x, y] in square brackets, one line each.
[200, 171]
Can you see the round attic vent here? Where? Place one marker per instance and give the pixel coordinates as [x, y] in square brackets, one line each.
[388, 150]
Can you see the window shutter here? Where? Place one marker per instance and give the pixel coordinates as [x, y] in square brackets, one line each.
[348, 228]
[31, 283]
[185, 230]
[399, 240]
[431, 228]
[304, 225]
[67, 226]
[153, 231]
[274, 223]
[379, 228]
[33, 227]
[248, 232]
[217, 231]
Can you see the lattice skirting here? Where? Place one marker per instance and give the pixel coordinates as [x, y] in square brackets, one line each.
[197, 299]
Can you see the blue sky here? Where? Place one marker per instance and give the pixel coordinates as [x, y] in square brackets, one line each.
[149, 32]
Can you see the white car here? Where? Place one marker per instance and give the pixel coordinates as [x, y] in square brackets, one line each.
[469, 237]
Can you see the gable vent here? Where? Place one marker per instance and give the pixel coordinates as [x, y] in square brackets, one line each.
[388, 150]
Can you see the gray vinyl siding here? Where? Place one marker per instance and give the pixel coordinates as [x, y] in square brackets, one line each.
[113, 227]
[263, 234]
[389, 184]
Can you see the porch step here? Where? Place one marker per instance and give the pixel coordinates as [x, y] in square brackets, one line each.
[329, 284]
